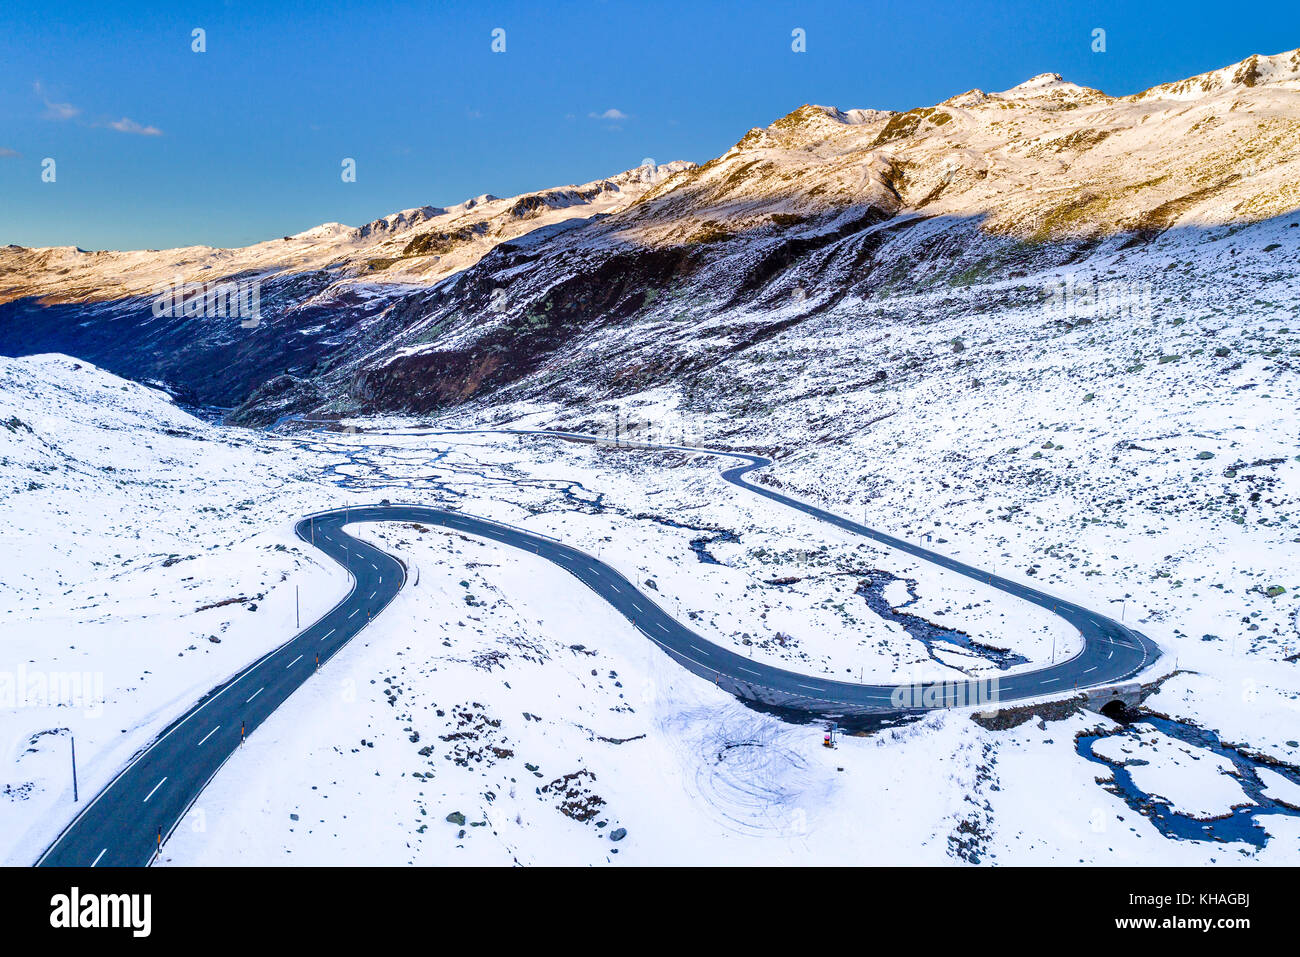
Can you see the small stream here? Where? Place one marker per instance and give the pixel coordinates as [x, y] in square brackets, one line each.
[376, 462]
[700, 545]
[1241, 825]
[927, 632]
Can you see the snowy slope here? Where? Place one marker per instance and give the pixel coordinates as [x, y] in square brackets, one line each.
[500, 690]
[147, 556]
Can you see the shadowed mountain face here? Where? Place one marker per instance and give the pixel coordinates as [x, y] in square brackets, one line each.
[658, 274]
[213, 361]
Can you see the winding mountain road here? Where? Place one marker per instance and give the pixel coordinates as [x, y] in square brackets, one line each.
[1111, 653]
[126, 823]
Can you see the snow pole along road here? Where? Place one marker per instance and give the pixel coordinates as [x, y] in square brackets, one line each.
[127, 821]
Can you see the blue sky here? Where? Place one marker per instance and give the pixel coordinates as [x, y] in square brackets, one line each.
[156, 145]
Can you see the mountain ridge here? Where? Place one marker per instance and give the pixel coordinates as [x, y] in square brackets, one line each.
[658, 273]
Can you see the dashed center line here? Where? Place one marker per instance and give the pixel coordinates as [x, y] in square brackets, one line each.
[256, 693]
[208, 735]
[151, 793]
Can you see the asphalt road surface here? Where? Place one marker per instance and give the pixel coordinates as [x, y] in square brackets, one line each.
[125, 824]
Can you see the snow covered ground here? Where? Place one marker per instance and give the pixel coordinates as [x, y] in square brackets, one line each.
[146, 557]
[1138, 454]
[500, 712]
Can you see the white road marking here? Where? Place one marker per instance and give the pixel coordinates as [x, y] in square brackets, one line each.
[354, 612]
[327, 634]
[372, 595]
[742, 668]
[292, 663]
[151, 793]
[98, 856]
[208, 735]
[701, 651]
[1093, 668]
[256, 693]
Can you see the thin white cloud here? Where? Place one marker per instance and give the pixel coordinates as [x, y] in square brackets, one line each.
[126, 125]
[7, 153]
[66, 111]
[610, 114]
[55, 111]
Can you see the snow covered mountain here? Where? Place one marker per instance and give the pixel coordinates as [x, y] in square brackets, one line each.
[317, 288]
[418, 246]
[1044, 160]
[826, 209]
